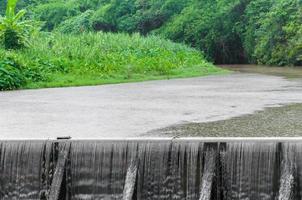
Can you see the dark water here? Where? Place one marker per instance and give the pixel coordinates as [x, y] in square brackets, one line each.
[287, 71]
[150, 170]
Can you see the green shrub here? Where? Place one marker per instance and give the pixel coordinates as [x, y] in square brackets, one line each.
[56, 59]
[11, 39]
[102, 20]
[11, 76]
[107, 53]
[14, 33]
[77, 24]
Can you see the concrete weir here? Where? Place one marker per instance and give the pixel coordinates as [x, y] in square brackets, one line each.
[152, 168]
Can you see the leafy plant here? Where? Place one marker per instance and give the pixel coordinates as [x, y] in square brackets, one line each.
[11, 76]
[14, 33]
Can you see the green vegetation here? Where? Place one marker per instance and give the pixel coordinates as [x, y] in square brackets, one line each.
[73, 47]
[227, 31]
[11, 76]
[76, 55]
[13, 33]
[56, 59]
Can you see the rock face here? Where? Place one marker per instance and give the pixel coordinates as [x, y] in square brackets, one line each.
[150, 169]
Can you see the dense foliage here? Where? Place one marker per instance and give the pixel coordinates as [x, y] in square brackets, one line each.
[13, 33]
[74, 49]
[228, 31]
[11, 76]
[70, 52]
[56, 59]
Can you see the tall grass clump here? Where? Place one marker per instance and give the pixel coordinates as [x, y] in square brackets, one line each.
[56, 59]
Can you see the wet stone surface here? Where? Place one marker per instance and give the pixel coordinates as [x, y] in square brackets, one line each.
[285, 121]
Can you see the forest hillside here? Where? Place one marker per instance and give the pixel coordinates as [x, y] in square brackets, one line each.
[227, 31]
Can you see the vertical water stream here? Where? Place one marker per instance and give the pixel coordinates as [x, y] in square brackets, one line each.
[251, 171]
[150, 170]
[21, 169]
[208, 175]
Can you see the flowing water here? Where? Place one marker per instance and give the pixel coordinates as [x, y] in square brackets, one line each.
[150, 170]
[25, 169]
[285, 71]
[208, 175]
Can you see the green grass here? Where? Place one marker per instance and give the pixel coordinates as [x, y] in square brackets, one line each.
[65, 80]
[59, 60]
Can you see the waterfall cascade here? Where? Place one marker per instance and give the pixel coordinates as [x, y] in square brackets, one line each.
[150, 170]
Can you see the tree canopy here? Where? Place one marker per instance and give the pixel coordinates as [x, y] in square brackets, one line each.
[227, 31]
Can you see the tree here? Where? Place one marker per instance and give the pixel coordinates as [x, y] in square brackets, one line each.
[14, 33]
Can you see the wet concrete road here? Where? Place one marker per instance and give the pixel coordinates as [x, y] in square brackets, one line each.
[138, 109]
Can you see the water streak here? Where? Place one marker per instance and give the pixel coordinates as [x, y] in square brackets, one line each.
[208, 175]
[130, 180]
[287, 173]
